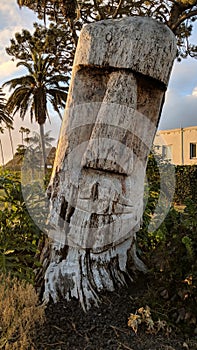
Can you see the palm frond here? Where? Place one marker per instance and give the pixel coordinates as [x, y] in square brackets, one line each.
[4, 115]
[27, 65]
[26, 80]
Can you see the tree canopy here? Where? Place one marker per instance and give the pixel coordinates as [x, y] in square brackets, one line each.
[179, 15]
[32, 91]
[55, 41]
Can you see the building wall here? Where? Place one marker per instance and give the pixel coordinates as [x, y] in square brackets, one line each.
[181, 142]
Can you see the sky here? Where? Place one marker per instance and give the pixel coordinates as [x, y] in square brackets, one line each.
[180, 108]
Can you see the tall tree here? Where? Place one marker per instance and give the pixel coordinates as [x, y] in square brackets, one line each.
[32, 92]
[23, 131]
[34, 141]
[177, 14]
[55, 41]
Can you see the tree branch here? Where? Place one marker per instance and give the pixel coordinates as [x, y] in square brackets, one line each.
[101, 13]
[116, 12]
[182, 18]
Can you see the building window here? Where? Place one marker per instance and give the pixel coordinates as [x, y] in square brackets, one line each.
[167, 152]
[192, 150]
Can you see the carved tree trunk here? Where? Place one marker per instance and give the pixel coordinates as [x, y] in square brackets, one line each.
[119, 78]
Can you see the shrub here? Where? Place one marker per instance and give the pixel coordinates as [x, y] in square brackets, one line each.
[170, 252]
[18, 233]
[186, 183]
[171, 255]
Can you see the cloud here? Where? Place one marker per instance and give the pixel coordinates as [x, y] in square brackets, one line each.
[194, 92]
[183, 78]
[12, 16]
[7, 69]
[179, 111]
[181, 98]
[12, 20]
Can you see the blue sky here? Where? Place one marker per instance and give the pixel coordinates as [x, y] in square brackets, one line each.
[180, 108]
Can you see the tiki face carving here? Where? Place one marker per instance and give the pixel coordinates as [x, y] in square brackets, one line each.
[112, 112]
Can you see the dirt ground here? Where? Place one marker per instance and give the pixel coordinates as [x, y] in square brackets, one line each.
[67, 327]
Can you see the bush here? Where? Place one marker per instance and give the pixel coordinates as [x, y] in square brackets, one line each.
[186, 183]
[170, 252]
[19, 314]
[18, 233]
[171, 256]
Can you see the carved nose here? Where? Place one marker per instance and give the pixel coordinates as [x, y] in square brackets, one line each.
[109, 148]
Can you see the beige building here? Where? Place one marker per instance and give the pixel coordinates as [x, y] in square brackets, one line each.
[178, 145]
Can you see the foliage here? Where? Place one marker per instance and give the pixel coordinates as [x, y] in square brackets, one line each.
[4, 115]
[159, 190]
[54, 41]
[36, 90]
[33, 90]
[171, 254]
[33, 141]
[19, 314]
[18, 234]
[178, 15]
[186, 183]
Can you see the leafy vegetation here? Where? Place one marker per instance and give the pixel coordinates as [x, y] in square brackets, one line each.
[170, 252]
[55, 41]
[179, 15]
[18, 233]
[186, 183]
[4, 115]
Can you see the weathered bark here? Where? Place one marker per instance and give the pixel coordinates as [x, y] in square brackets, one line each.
[119, 79]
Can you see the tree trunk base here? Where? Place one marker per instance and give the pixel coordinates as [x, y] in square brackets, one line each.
[82, 274]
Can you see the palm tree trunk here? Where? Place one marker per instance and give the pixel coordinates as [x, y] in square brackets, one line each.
[2, 155]
[43, 148]
[11, 141]
[22, 138]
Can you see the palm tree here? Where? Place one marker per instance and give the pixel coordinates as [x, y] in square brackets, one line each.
[34, 141]
[23, 131]
[32, 92]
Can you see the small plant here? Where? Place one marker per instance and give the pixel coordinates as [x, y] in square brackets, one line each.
[143, 316]
[19, 314]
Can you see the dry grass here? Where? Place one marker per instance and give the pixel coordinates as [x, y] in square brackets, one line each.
[19, 313]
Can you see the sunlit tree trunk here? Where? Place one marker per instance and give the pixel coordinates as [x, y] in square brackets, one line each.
[2, 155]
[119, 79]
[43, 148]
[11, 139]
